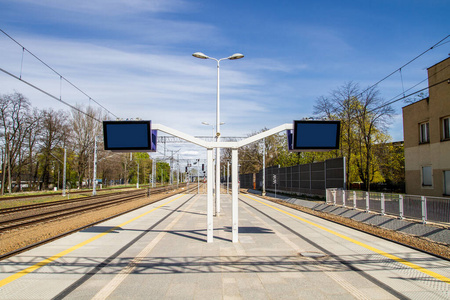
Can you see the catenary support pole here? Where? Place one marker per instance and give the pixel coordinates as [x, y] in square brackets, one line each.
[94, 182]
[64, 173]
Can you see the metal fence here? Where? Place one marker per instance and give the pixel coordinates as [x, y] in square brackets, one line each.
[309, 179]
[425, 208]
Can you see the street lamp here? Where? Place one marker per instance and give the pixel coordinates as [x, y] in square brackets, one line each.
[64, 172]
[232, 57]
[212, 126]
[94, 183]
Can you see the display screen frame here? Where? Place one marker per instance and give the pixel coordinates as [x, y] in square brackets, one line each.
[112, 128]
[332, 132]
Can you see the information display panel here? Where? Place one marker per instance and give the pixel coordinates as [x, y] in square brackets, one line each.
[154, 140]
[316, 135]
[127, 136]
[289, 138]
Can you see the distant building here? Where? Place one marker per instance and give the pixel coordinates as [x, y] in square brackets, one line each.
[427, 137]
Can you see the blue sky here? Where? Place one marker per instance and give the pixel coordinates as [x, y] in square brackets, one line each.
[135, 56]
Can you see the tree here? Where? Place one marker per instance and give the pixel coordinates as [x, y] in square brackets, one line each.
[54, 131]
[162, 172]
[364, 117]
[85, 128]
[372, 118]
[15, 124]
[342, 105]
[31, 142]
[144, 162]
[391, 160]
[251, 156]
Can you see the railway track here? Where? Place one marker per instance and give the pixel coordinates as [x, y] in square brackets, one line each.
[27, 215]
[44, 218]
[19, 221]
[25, 208]
[52, 194]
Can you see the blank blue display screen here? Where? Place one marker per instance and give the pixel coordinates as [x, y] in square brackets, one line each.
[316, 134]
[127, 135]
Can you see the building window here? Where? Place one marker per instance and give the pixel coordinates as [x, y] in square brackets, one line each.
[424, 133]
[447, 183]
[427, 176]
[446, 128]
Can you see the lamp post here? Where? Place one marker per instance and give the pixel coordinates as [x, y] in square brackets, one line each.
[212, 126]
[94, 183]
[232, 57]
[64, 172]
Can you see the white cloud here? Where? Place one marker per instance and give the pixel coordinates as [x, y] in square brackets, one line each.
[111, 7]
[178, 91]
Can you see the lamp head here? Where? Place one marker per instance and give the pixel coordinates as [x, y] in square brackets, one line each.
[236, 56]
[200, 55]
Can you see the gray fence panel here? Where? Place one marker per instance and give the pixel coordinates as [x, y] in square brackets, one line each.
[425, 208]
[311, 178]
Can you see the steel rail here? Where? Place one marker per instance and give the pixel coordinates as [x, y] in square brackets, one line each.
[37, 244]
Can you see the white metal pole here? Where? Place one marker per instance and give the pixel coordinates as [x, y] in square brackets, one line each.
[64, 173]
[137, 182]
[218, 140]
[234, 195]
[344, 196]
[400, 203]
[424, 209]
[345, 174]
[228, 176]
[210, 200]
[198, 176]
[94, 183]
[153, 172]
[264, 167]
[149, 183]
[367, 202]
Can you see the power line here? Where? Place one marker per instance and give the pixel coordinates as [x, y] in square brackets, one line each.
[54, 71]
[404, 97]
[50, 95]
[399, 69]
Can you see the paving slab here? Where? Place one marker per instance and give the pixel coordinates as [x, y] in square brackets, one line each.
[163, 254]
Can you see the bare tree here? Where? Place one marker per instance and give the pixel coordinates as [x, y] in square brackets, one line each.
[85, 128]
[342, 105]
[15, 126]
[251, 156]
[373, 116]
[54, 131]
[364, 117]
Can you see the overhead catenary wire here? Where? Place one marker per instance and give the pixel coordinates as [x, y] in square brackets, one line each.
[54, 71]
[440, 43]
[50, 95]
[406, 96]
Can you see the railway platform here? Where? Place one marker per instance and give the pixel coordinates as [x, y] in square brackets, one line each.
[160, 252]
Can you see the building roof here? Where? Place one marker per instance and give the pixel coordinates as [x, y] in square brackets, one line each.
[427, 99]
[439, 62]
